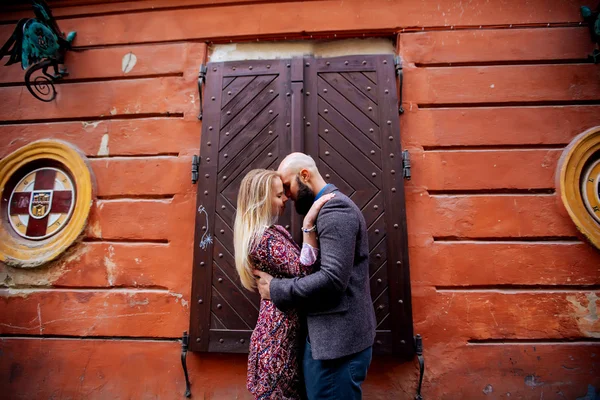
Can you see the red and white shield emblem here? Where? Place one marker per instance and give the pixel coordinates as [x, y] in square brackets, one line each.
[41, 203]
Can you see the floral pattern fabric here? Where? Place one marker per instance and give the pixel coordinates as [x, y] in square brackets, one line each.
[274, 370]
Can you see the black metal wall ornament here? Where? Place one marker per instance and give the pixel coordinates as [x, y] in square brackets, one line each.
[184, 349]
[38, 44]
[201, 79]
[592, 19]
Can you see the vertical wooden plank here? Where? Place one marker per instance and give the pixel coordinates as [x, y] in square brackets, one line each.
[395, 206]
[297, 121]
[311, 114]
[205, 212]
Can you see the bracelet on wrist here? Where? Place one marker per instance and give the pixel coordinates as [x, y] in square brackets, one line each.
[308, 230]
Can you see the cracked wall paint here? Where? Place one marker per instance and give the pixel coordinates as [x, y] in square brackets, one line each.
[110, 265]
[103, 150]
[128, 62]
[586, 310]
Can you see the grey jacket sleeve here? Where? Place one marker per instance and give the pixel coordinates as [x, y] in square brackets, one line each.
[337, 229]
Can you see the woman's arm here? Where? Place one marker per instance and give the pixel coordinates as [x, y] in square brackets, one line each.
[277, 254]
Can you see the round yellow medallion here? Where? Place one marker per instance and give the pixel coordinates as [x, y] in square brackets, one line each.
[578, 180]
[590, 189]
[46, 191]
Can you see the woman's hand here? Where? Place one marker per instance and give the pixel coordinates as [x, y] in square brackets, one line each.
[311, 216]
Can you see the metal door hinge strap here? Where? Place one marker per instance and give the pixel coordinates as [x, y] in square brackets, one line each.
[419, 351]
[406, 165]
[201, 80]
[184, 349]
[195, 166]
[400, 75]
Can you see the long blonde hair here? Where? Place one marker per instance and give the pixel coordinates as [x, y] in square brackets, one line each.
[253, 216]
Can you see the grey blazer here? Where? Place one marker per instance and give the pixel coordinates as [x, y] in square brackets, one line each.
[337, 297]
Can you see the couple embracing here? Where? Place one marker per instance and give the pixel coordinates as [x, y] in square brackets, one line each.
[316, 324]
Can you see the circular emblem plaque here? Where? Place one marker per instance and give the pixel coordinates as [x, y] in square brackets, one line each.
[41, 203]
[46, 192]
[590, 189]
[578, 180]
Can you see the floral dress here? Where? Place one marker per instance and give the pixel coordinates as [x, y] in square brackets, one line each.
[274, 362]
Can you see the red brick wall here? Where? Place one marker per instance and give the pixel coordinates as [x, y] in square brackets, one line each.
[504, 292]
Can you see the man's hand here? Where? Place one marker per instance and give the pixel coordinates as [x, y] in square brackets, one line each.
[263, 281]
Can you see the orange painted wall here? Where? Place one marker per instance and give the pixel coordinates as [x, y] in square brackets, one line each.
[504, 291]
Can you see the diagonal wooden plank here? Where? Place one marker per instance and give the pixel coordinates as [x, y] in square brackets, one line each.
[374, 209]
[377, 231]
[258, 159]
[365, 190]
[361, 196]
[244, 141]
[351, 93]
[246, 310]
[258, 109]
[331, 177]
[242, 158]
[223, 233]
[226, 314]
[215, 322]
[385, 324]
[260, 86]
[358, 140]
[369, 141]
[382, 307]
[227, 81]
[377, 256]
[361, 162]
[226, 263]
[372, 76]
[379, 281]
[362, 83]
[225, 210]
[346, 108]
[233, 88]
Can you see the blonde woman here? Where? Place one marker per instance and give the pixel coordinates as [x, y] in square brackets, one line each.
[274, 365]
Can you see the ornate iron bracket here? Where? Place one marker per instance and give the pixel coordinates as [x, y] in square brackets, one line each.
[419, 351]
[195, 166]
[38, 44]
[184, 349]
[592, 19]
[400, 74]
[201, 80]
[406, 165]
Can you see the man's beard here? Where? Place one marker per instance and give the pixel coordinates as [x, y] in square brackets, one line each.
[304, 199]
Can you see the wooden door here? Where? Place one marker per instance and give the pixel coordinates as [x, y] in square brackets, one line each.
[246, 125]
[341, 111]
[352, 131]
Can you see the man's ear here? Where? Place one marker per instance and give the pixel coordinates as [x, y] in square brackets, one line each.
[304, 175]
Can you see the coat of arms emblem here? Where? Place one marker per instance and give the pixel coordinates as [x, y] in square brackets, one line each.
[40, 203]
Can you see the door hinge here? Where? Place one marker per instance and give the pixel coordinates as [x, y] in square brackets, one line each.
[406, 165]
[419, 351]
[400, 75]
[201, 80]
[195, 164]
[184, 350]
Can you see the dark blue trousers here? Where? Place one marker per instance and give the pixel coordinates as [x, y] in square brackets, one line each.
[338, 379]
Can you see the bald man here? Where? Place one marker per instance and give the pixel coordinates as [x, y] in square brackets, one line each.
[336, 297]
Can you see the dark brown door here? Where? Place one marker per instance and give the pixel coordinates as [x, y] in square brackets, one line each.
[352, 130]
[246, 125]
[343, 112]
